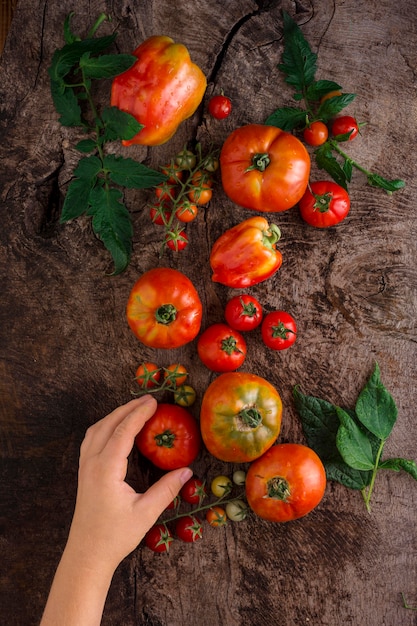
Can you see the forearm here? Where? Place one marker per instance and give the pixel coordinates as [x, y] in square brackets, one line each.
[78, 592]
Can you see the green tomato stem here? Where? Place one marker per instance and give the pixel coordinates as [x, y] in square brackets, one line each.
[367, 491]
[335, 146]
[203, 508]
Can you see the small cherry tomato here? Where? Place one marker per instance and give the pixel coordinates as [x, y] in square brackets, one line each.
[175, 504]
[279, 330]
[220, 107]
[174, 173]
[221, 348]
[211, 164]
[185, 395]
[186, 211]
[216, 516]
[243, 312]
[160, 214]
[344, 125]
[237, 510]
[148, 375]
[201, 188]
[316, 133]
[239, 477]
[221, 486]
[193, 491]
[158, 538]
[175, 374]
[324, 204]
[189, 528]
[186, 160]
[165, 192]
[176, 241]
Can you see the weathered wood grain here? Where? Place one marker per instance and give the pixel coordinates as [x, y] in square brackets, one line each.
[68, 357]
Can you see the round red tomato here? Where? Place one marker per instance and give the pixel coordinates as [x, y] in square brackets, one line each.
[176, 240]
[158, 538]
[194, 491]
[279, 330]
[240, 417]
[344, 125]
[186, 211]
[264, 168]
[189, 528]
[285, 483]
[220, 107]
[324, 204]
[170, 438]
[221, 348]
[160, 214]
[243, 312]
[148, 375]
[164, 309]
[316, 134]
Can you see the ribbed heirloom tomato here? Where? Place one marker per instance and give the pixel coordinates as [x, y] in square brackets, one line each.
[264, 168]
[240, 417]
[285, 483]
[164, 309]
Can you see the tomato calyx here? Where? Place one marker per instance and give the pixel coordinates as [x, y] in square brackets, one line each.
[278, 488]
[260, 162]
[250, 416]
[165, 439]
[229, 345]
[166, 314]
[248, 309]
[281, 331]
[322, 202]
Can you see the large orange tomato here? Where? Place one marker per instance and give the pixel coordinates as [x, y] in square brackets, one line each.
[264, 168]
[240, 417]
[285, 483]
[164, 309]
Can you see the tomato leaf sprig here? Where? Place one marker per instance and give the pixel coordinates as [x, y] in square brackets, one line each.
[350, 442]
[95, 188]
[323, 100]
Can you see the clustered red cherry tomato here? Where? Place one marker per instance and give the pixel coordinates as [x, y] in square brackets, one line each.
[158, 538]
[220, 107]
[193, 491]
[152, 378]
[189, 528]
[316, 133]
[344, 125]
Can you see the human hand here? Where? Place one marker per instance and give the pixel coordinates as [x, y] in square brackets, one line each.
[110, 518]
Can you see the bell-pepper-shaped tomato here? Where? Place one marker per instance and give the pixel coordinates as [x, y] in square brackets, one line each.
[161, 90]
[164, 309]
[264, 168]
[246, 254]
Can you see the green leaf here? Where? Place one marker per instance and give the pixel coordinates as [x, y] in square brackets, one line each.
[400, 464]
[353, 444]
[298, 61]
[69, 37]
[88, 168]
[119, 125]
[112, 224]
[106, 65]
[320, 88]
[67, 57]
[389, 185]
[287, 118]
[376, 408]
[86, 145]
[129, 173]
[77, 199]
[331, 107]
[348, 169]
[326, 161]
[346, 475]
[66, 104]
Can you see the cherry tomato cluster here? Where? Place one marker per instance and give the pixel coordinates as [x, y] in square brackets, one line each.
[188, 525]
[187, 188]
[222, 347]
[151, 379]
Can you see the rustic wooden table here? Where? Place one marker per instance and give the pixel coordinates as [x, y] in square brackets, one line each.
[68, 357]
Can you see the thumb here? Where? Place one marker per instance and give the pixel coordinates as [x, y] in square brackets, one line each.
[161, 494]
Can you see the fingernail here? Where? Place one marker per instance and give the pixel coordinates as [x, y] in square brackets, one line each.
[185, 475]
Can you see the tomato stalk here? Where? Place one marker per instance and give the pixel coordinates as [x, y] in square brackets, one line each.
[165, 439]
[204, 507]
[278, 488]
[260, 162]
[271, 236]
[367, 491]
[229, 345]
[281, 331]
[250, 417]
[166, 314]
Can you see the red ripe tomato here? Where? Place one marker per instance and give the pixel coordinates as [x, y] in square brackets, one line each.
[285, 483]
[170, 438]
[189, 528]
[240, 419]
[194, 491]
[160, 214]
[264, 168]
[173, 171]
[216, 516]
[148, 375]
[344, 125]
[221, 348]
[279, 330]
[243, 312]
[158, 538]
[324, 204]
[176, 241]
[166, 192]
[316, 134]
[220, 107]
[186, 211]
[201, 188]
[164, 309]
[175, 375]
